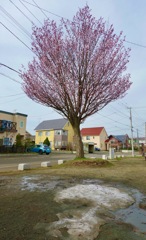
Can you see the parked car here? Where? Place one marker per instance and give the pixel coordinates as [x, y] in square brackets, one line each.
[40, 148]
[97, 149]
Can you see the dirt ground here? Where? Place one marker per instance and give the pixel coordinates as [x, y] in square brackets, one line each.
[27, 203]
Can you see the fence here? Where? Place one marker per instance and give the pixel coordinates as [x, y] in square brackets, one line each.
[12, 149]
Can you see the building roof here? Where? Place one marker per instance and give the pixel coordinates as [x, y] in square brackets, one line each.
[107, 140]
[121, 138]
[110, 137]
[54, 124]
[14, 113]
[94, 131]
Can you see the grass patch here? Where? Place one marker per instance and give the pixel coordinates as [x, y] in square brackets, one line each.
[129, 170]
[91, 163]
[85, 162]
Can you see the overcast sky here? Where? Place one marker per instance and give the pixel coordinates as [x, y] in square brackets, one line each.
[128, 16]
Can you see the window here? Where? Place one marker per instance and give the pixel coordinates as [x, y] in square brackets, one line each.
[47, 133]
[40, 134]
[87, 137]
[6, 124]
[58, 132]
[57, 144]
[21, 124]
[6, 141]
[64, 143]
[64, 132]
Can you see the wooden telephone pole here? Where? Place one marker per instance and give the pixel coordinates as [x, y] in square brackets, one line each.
[132, 145]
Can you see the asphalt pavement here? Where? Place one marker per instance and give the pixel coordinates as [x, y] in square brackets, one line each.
[9, 162]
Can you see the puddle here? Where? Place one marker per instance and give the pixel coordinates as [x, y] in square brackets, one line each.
[134, 214]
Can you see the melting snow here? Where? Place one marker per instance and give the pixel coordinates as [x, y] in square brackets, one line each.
[33, 183]
[82, 223]
[85, 224]
[101, 196]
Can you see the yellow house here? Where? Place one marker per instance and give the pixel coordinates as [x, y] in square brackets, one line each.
[59, 132]
[94, 137]
[11, 124]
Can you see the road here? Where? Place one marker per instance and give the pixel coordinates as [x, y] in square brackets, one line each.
[10, 161]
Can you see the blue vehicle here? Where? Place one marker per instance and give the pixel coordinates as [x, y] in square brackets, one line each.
[97, 149]
[40, 148]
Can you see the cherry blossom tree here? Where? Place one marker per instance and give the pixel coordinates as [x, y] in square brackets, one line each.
[79, 67]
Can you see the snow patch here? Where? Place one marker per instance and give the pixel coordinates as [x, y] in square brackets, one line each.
[101, 196]
[33, 183]
[85, 224]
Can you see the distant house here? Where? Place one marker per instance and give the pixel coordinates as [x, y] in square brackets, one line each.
[138, 141]
[141, 140]
[59, 132]
[11, 124]
[117, 142]
[94, 137]
[29, 136]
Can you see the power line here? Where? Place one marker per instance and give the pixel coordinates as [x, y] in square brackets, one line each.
[40, 9]
[126, 105]
[56, 15]
[30, 12]
[139, 107]
[12, 95]
[136, 44]
[4, 65]
[43, 11]
[119, 111]
[113, 120]
[21, 11]
[123, 129]
[16, 36]
[59, 16]
[137, 115]
[10, 77]
[34, 5]
[7, 19]
[15, 21]
[12, 100]
[134, 128]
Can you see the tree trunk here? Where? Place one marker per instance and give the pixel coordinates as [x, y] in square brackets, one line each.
[78, 141]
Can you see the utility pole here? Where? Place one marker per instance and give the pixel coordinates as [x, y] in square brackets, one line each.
[131, 132]
[137, 138]
[145, 132]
